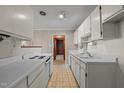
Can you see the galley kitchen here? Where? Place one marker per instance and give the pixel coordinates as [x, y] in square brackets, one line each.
[61, 46]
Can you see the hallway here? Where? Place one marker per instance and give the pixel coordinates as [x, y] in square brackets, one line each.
[62, 76]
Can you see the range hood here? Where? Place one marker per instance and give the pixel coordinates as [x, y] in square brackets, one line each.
[9, 34]
[116, 17]
[2, 36]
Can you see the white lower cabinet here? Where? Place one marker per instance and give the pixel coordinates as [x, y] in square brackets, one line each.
[37, 78]
[46, 73]
[37, 83]
[21, 84]
[77, 71]
[42, 78]
[94, 74]
[82, 78]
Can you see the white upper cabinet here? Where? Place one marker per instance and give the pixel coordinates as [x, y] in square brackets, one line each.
[87, 28]
[75, 37]
[17, 21]
[96, 31]
[109, 10]
[83, 31]
[79, 34]
[100, 24]
[7, 14]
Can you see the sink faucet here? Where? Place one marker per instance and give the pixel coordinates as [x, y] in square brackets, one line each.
[89, 54]
[22, 57]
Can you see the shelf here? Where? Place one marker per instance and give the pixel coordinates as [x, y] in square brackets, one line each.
[91, 41]
[116, 17]
[31, 46]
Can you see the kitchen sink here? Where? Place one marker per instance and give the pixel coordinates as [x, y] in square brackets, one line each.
[87, 56]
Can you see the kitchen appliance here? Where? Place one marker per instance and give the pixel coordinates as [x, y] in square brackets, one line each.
[46, 59]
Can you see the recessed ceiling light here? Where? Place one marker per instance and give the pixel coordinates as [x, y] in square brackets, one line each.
[43, 13]
[59, 36]
[62, 15]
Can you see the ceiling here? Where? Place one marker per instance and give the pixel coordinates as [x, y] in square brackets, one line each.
[75, 15]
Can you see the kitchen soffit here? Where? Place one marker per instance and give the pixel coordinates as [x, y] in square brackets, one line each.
[75, 15]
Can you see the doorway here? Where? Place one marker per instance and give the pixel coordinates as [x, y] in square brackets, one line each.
[59, 46]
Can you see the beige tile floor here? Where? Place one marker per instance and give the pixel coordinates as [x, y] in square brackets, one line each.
[62, 76]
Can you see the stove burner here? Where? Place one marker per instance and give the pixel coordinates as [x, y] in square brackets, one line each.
[37, 57]
[41, 57]
[33, 57]
[48, 59]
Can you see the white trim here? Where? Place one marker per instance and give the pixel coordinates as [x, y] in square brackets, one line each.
[67, 29]
[66, 46]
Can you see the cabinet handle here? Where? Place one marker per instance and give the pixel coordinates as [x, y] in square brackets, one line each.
[101, 33]
[100, 7]
[85, 74]
[123, 6]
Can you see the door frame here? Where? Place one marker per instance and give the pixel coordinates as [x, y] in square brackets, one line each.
[55, 37]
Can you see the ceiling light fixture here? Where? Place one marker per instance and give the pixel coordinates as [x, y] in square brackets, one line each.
[59, 36]
[62, 15]
[43, 13]
[21, 16]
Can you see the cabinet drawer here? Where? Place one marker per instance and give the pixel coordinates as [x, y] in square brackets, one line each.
[33, 75]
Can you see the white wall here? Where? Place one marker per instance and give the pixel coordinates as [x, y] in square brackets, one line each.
[115, 48]
[44, 38]
[12, 47]
[8, 47]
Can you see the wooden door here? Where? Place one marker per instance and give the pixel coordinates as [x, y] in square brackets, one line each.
[59, 45]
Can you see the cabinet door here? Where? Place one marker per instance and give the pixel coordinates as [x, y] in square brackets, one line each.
[7, 15]
[51, 66]
[22, 84]
[82, 79]
[70, 61]
[38, 82]
[109, 10]
[87, 26]
[24, 21]
[77, 71]
[83, 30]
[96, 24]
[73, 65]
[75, 37]
[79, 36]
[46, 75]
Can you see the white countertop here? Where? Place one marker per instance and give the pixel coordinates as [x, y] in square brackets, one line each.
[27, 56]
[96, 59]
[13, 73]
